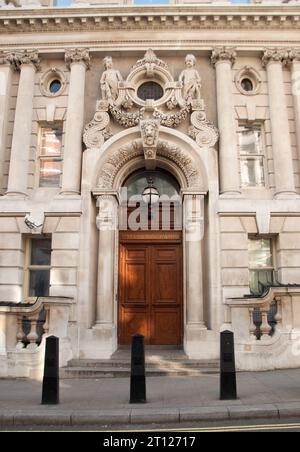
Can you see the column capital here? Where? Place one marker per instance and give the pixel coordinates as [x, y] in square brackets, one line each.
[294, 54]
[4, 58]
[224, 53]
[21, 57]
[275, 56]
[79, 55]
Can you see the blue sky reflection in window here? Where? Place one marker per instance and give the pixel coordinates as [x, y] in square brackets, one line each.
[62, 2]
[151, 2]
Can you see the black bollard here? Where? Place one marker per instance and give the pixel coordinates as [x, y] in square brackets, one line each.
[50, 395]
[228, 374]
[138, 373]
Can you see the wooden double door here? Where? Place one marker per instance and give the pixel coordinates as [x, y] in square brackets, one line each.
[150, 293]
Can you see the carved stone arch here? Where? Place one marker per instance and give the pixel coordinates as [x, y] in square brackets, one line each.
[176, 153]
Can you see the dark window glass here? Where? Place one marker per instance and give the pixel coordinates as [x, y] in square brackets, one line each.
[39, 283]
[41, 252]
[247, 84]
[162, 181]
[55, 86]
[150, 90]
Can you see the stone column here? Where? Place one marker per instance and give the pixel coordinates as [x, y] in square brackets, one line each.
[78, 62]
[281, 140]
[27, 63]
[223, 58]
[193, 240]
[5, 85]
[107, 226]
[295, 55]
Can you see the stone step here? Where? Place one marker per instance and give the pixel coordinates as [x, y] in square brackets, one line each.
[170, 363]
[124, 372]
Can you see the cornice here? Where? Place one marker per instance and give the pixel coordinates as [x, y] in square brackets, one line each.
[133, 18]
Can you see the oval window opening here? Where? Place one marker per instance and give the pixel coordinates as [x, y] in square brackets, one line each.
[55, 86]
[150, 90]
[247, 84]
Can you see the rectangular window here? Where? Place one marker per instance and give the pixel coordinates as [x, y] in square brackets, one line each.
[38, 258]
[50, 156]
[251, 151]
[261, 264]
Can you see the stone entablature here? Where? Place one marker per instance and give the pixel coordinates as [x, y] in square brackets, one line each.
[126, 17]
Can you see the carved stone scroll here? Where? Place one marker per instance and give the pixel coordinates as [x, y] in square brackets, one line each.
[97, 131]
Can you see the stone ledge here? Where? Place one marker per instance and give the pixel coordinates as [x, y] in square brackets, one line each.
[253, 412]
[53, 416]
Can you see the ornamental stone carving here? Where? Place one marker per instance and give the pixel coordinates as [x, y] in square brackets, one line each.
[203, 131]
[149, 132]
[78, 55]
[20, 57]
[223, 54]
[110, 79]
[125, 154]
[4, 58]
[149, 61]
[97, 131]
[126, 102]
[275, 55]
[191, 80]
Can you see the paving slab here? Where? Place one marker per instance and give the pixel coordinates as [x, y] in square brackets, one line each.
[253, 412]
[108, 417]
[290, 409]
[151, 416]
[203, 414]
[42, 418]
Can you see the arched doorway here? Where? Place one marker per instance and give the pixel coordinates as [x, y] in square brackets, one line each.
[120, 157]
[150, 259]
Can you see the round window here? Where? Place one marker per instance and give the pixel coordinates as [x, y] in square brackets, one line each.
[248, 81]
[247, 84]
[52, 82]
[150, 90]
[54, 86]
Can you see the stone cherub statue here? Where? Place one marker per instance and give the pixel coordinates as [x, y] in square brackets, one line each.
[191, 80]
[110, 79]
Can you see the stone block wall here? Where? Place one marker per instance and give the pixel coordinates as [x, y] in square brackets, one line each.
[64, 232]
[235, 231]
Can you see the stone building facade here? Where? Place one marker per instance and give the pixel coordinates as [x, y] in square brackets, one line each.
[200, 100]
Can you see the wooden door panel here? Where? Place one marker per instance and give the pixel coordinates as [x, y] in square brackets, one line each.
[166, 329]
[134, 321]
[150, 293]
[165, 289]
[136, 283]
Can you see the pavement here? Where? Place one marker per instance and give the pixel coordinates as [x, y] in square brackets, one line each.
[105, 402]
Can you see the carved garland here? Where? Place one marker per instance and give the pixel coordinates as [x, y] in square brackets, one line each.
[126, 153]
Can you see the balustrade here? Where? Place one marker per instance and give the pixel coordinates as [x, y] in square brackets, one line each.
[259, 319]
[31, 322]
